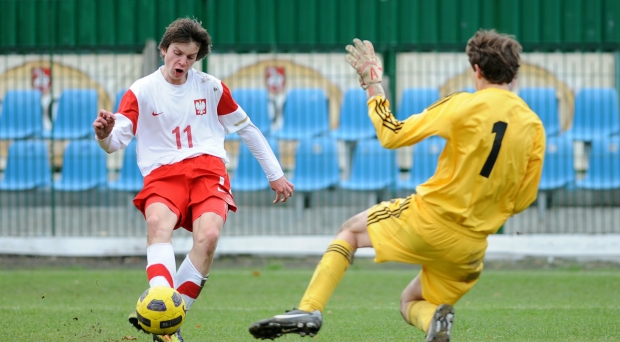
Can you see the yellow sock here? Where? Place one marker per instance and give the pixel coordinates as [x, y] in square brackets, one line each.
[327, 275]
[420, 313]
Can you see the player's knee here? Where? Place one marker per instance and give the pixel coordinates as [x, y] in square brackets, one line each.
[157, 228]
[404, 306]
[207, 238]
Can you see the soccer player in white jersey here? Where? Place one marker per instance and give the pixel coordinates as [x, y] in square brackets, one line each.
[179, 117]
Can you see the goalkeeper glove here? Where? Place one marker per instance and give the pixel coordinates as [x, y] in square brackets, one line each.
[362, 58]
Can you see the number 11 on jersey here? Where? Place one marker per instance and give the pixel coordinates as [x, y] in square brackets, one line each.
[188, 132]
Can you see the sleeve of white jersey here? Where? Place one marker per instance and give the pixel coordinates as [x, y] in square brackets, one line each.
[258, 145]
[121, 135]
[235, 121]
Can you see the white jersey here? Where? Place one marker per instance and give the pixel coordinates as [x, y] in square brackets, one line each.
[176, 122]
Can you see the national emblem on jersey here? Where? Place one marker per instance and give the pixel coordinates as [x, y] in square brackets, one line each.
[201, 106]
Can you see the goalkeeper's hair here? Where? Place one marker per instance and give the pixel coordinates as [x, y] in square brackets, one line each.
[186, 30]
[496, 54]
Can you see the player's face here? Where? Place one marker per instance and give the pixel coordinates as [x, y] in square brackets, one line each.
[178, 59]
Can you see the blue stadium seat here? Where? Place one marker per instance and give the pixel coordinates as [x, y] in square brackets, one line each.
[558, 168]
[119, 97]
[415, 100]
[77, 109]
[255, 102]
[425, 156]
[469, 89]
[596, 114]
[544, 102]
[83, 167]
[22, 114]
[130, 178]
[27, 166]
[604, 165]
[249, 175]
[354, 121]
[305, 115]
[373, 168]
[316, 164]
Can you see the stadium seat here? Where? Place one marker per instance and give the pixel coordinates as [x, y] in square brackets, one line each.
[425, 156]
[544, 102]
[415, 100]
[305, 115]
[469, 90]
[596, 114]
[604, 165]
[354, 121]
[83, 167]
[77, 109]
[316, 164]
[249, 175]
[27, 166]
[130, 178]
[255, 102]
[558, 170]
[373, 168]
[22, 114]
[119, 97]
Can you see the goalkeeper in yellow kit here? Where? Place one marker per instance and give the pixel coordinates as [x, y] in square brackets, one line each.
[488, 171]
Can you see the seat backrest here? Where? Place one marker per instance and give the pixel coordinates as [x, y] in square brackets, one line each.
[22, 114]
[317, 158]
[84, 162]
[117, 101]
[27, 165]
[425, 156]
[558, 167]
[604, 160]
[596, 111]
[354, 110]
[415, 100]
[544, 102]
[372, 162]
[77, 109]
[255, 102]
[305, 112]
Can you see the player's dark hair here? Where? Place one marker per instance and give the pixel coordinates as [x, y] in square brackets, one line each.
[496, 54]
[186, 30]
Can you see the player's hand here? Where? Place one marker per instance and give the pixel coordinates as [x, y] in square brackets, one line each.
[283, 188]
[362, 58]
[103, 124]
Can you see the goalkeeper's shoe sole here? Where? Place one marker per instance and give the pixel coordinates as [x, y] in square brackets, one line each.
[299, 322]
[176, 337]
[441, 326]
[133, 320]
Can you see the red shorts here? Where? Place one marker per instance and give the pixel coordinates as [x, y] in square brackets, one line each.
[189, 188]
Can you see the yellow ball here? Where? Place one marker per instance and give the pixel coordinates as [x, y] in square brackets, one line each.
[161, 310]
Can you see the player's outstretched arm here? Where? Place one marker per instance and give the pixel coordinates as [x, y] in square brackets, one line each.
[104, 123]
[361, 56]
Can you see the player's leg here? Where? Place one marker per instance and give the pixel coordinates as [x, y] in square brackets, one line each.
[194, 270]
[435, 320]
[307, 320]
[161, 218]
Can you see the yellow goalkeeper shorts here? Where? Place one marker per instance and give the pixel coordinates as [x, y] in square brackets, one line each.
[402, 230]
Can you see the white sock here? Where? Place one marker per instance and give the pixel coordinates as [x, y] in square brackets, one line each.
[190, 282]
[161, 265]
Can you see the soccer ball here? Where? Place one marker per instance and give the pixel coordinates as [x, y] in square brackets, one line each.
[161, 310]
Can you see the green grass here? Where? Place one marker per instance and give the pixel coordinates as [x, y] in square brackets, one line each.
[79, 304]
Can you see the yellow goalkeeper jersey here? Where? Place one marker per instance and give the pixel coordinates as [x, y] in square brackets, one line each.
[492, 161]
